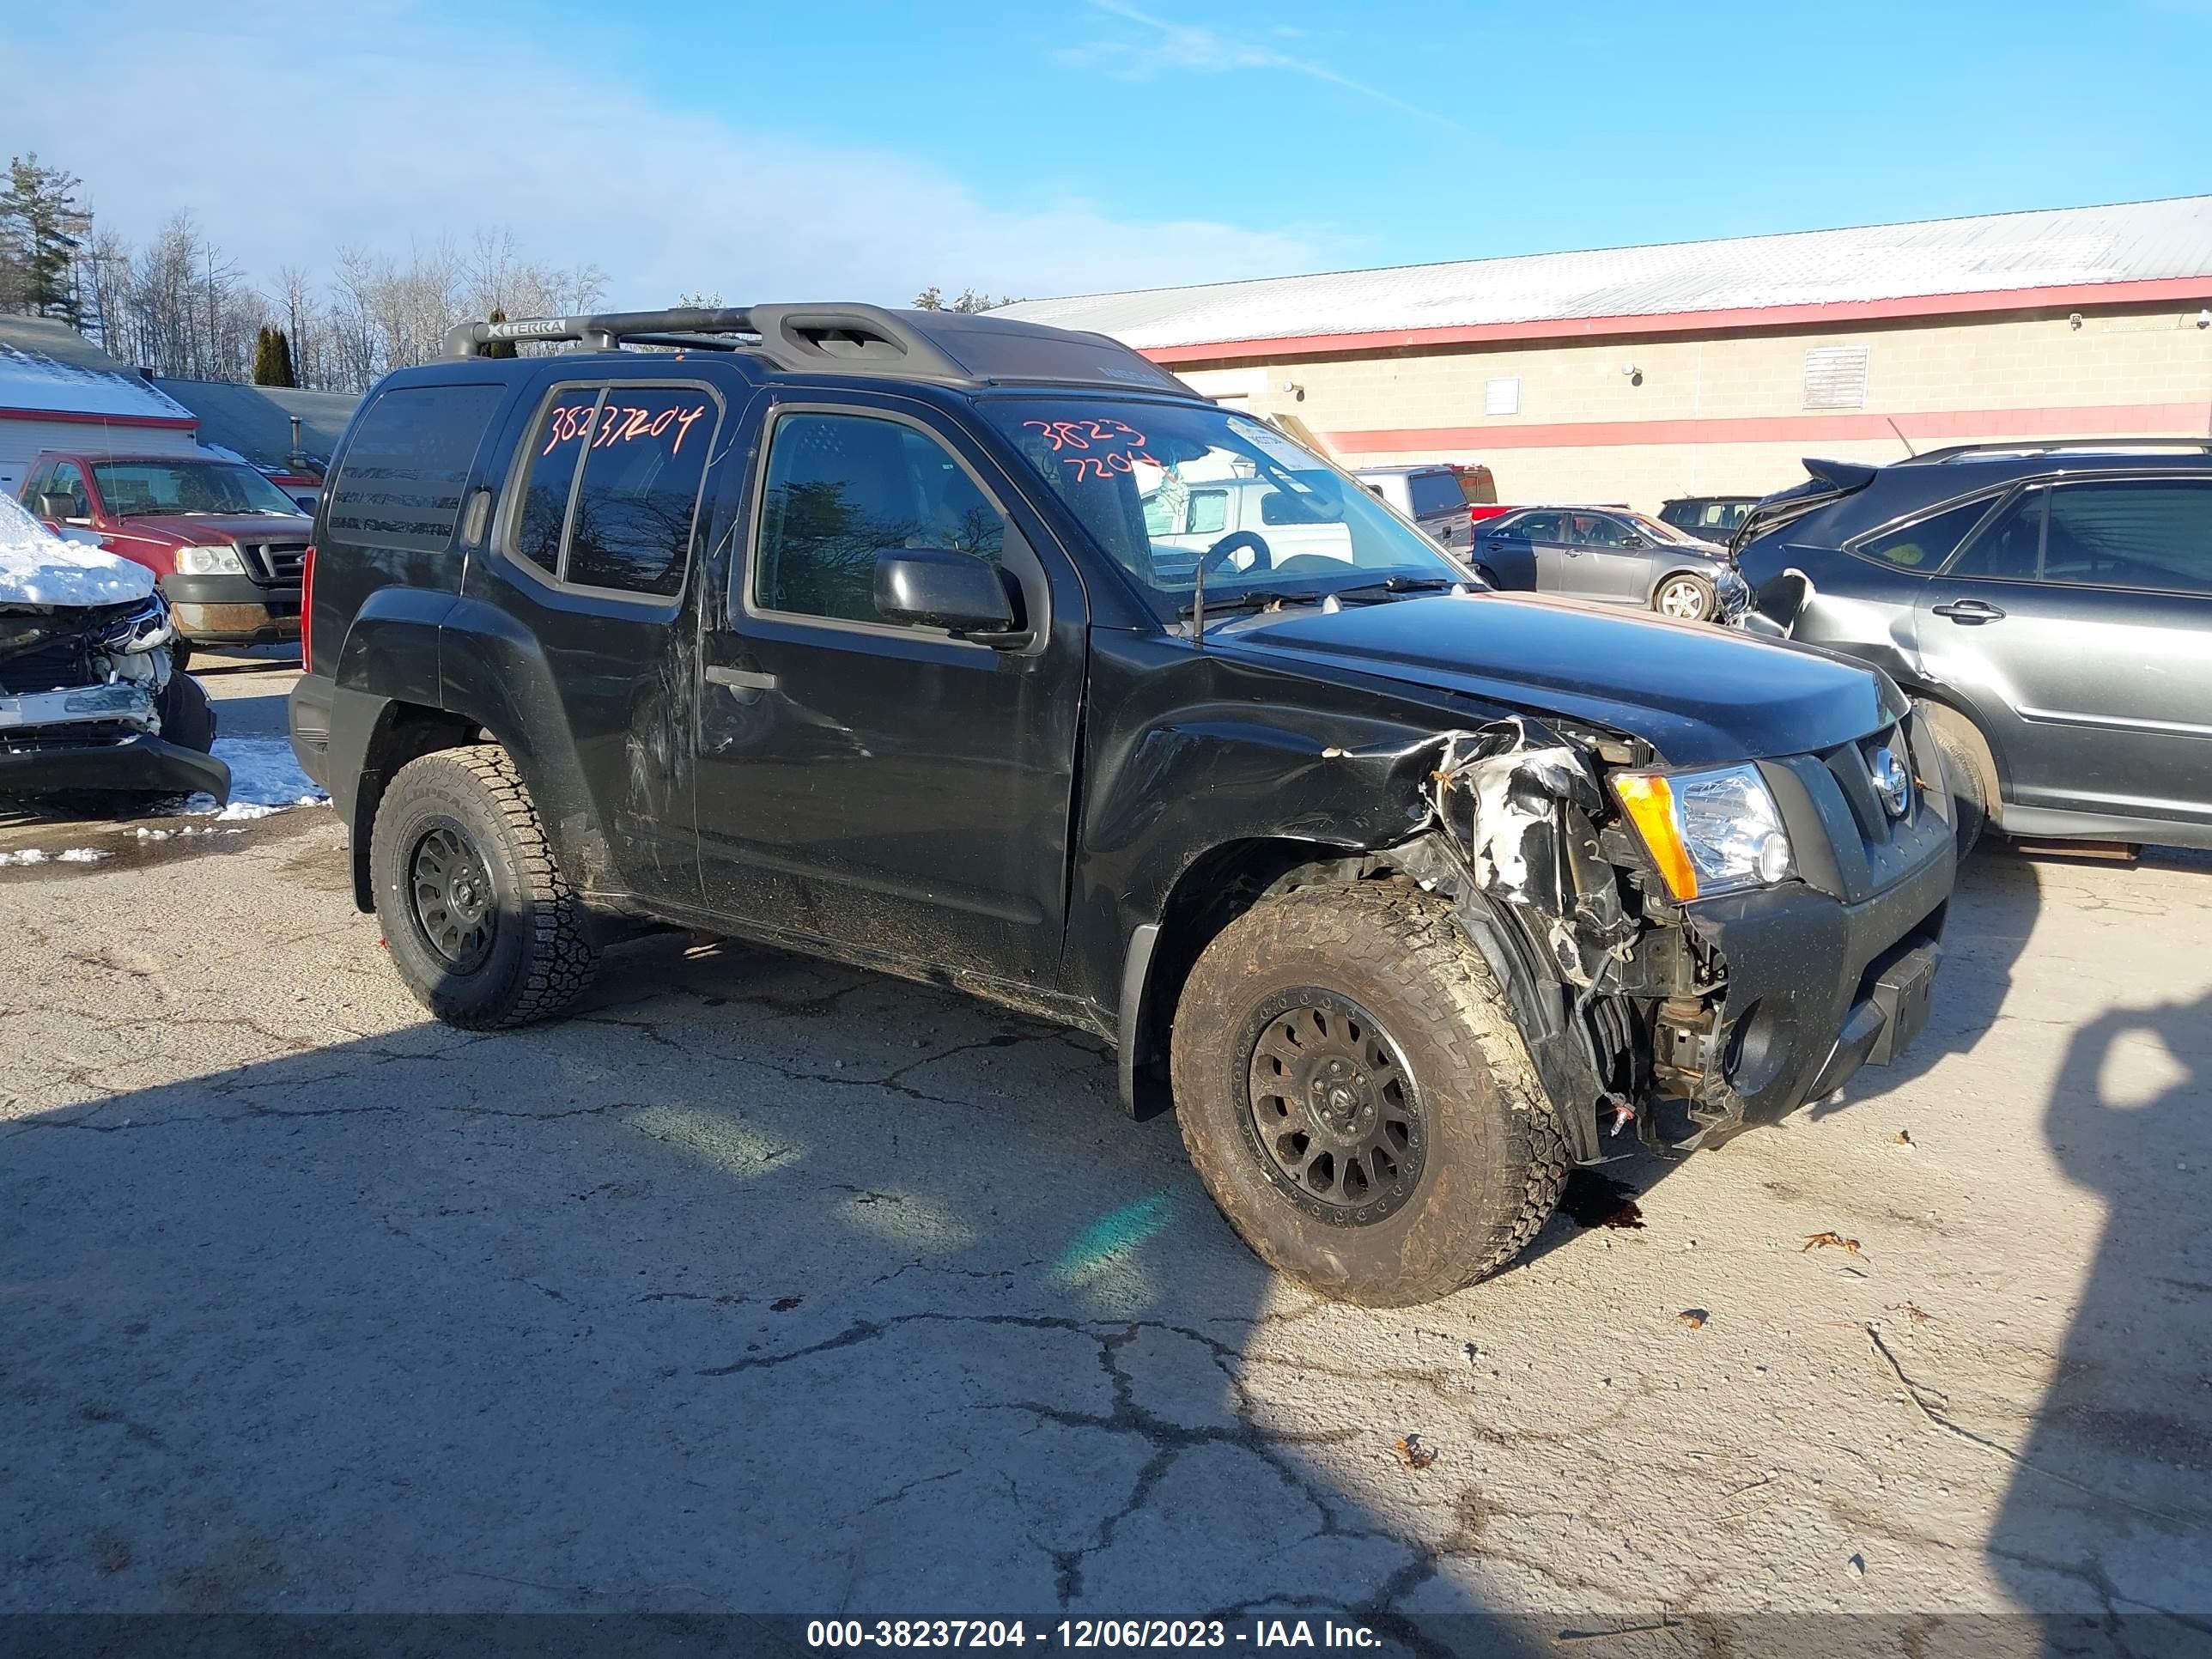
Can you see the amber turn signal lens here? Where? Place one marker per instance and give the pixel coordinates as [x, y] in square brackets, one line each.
[1651, 806]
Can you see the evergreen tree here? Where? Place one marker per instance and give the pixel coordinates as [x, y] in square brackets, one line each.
[272, 357]
[499, 348]
[41, 228]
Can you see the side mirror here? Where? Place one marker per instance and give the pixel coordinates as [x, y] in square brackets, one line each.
[934, 588]
[57, 509]
[1634, 540]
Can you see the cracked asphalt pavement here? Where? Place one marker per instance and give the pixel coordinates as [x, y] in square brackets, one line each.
[767, 1285]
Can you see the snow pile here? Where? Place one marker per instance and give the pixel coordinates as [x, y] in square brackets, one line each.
[38, 567]
[72, 855]
[265, 778]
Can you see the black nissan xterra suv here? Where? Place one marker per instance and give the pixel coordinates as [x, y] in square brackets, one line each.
[870, 634]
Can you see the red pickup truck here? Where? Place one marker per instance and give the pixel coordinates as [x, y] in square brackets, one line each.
[225, 544]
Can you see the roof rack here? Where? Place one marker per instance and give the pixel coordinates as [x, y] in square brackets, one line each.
[2049, 446]
[956, 347]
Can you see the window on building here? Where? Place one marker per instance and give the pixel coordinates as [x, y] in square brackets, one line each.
[1836, 377]
[1922, 546]
[2138, 533]
[1502, 396]
[841, 489]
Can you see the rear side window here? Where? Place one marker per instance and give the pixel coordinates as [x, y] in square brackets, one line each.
[2010, 546]
[1209, 511]
[1538, 526]
[626, 525]
[1434, 493]
[1924, 545]
[400, 483]
[2139, 533]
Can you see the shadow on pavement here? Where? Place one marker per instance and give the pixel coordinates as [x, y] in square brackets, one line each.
[733, 1293]
[2118, 1450]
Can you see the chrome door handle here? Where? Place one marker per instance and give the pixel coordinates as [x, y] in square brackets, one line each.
[1971, 612]
[741, 679]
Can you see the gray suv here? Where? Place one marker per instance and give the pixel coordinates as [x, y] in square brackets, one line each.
[2047, 607]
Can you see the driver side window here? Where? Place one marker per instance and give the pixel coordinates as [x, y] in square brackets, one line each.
[840, 489]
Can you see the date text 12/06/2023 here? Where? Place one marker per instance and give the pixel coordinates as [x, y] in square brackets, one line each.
[1089, 1633]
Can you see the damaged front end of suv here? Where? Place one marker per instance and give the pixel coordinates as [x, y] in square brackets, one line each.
[1687, 951]
[91, 700]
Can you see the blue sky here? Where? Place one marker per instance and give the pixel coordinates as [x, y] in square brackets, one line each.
[861, 151]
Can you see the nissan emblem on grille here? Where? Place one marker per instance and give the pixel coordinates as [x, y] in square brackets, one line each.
[1891, 781]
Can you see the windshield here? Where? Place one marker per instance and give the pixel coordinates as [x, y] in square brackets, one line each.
[1159, 485]
[137, 489]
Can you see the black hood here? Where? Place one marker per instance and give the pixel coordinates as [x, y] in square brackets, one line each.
[1696, 693]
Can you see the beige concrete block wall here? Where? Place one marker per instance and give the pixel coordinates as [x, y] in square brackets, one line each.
[2011, 365]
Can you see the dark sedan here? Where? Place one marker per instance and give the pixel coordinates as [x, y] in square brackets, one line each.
[1611, 555]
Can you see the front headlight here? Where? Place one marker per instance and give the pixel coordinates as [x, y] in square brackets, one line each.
[1709, 832]
[209, 562]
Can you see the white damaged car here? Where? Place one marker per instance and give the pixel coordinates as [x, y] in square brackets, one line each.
[91, 698]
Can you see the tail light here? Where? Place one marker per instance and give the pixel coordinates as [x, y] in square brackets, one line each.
[307, 610]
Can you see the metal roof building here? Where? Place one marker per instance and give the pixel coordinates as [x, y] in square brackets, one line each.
[255, 422]
[58, 390]
[1715, 363]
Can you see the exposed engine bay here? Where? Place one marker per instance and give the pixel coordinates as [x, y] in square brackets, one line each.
[90, 695]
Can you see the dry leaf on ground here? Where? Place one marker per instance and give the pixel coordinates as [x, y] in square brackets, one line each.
[1412, 1454]
[1833, 1241]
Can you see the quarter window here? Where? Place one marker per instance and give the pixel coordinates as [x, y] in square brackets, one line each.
[400, 483]
[840, 489]
[1924, 546]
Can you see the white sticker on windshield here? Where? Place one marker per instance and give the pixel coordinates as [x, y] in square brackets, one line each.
[1274, 445]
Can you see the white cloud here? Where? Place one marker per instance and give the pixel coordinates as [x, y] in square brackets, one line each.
[1166, 47]
[387, 127]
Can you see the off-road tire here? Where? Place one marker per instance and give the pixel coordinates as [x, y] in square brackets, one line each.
[1709, 601]
[541, 957]
[1496, 1157]
[1962, 770]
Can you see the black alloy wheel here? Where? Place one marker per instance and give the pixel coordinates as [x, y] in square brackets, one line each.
[1334, 1114]
[453, 903]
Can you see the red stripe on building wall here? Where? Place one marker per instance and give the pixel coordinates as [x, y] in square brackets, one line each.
[2192, 290]
[2100, 421]
[80, 417]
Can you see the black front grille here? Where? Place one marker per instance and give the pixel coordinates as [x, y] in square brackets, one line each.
[278, 563]
[46, 667]
[1854, 765]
